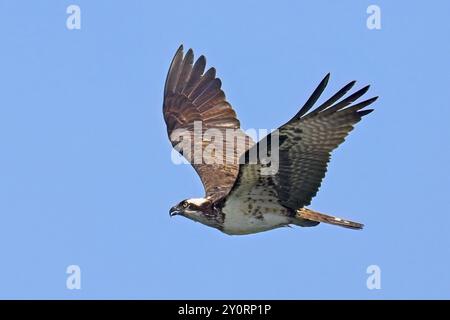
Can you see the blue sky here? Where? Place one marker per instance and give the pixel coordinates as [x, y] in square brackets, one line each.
[86, 176]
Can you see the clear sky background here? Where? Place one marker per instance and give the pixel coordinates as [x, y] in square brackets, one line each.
[86, 176]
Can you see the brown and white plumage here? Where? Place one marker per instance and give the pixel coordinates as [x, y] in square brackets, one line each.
[239, 199]
[191, 94]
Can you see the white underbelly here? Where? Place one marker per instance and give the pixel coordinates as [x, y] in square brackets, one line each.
[240, 220]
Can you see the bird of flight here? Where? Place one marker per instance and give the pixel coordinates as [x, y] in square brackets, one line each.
[239, 197]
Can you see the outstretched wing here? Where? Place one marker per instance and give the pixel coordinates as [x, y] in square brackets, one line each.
[305, 146]
[197, 115]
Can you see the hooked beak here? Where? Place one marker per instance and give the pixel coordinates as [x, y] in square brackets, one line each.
[174, 211]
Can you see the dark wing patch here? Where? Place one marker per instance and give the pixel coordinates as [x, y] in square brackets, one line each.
[190, 95]
[307, 140]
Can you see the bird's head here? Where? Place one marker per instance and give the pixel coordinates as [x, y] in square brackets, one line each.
[196, 209]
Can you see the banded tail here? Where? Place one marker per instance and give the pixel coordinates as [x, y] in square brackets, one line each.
[311, 215]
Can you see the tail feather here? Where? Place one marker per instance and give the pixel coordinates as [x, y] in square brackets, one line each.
[308, 214]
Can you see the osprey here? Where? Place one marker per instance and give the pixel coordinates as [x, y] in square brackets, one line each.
[239, 199]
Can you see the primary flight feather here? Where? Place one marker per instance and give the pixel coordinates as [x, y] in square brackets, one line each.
[240, 197]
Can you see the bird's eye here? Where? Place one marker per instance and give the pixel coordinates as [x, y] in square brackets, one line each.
[185, 204]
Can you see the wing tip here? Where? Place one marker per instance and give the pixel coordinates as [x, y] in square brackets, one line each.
[364, 104]
[179, 52]
[312, 98]
[363, 113]
[372, 100]
[325, 80]
[364, 89]
[202, 60]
